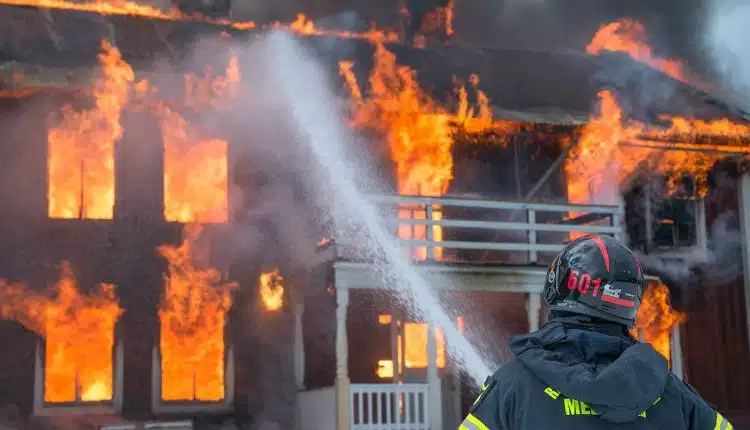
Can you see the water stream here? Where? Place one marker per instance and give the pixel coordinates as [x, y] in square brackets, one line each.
[303, 88]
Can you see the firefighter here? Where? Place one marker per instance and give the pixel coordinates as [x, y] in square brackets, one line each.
[583, 369]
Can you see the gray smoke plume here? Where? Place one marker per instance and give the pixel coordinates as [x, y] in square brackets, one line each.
[688, 277]
[726, 39]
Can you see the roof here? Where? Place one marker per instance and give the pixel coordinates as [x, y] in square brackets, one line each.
[49, 49]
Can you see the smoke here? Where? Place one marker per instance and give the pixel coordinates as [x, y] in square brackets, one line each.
[726, 36]
[688, 277]
[274, 206]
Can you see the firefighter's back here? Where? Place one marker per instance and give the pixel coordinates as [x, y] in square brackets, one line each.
[573, 379]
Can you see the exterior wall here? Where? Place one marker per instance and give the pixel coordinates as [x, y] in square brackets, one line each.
[714, 337]
[319, 333]
[122, 251]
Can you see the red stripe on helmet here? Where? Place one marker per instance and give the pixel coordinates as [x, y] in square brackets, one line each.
[618, 301]
[603, 248]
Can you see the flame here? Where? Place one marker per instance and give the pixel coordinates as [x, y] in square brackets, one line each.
[419, 132]
[272, 290]
[128, 8]
[81, 156]
[193, 315]
[79, 333]
[305, 26]
[195, 170]
[441, 19]
[195, 173]
[415, 341]
[384, 369]
[629, 36]
[656, 319]
[610, 149]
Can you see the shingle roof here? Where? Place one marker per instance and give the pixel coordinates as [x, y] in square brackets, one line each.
[557, 88]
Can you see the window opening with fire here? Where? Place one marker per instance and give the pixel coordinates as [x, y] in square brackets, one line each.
[81, 146]
[78, 331]
[271, 290]
[411, 339]
[192, 344]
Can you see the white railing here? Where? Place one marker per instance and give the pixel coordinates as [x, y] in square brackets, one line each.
[388, 407]
[463, 224]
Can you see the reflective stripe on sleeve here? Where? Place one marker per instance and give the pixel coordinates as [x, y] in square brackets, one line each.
[472, 423]
[722, 423]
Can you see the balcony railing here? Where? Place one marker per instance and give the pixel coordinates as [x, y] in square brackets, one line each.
[389, 407]
[474, 230]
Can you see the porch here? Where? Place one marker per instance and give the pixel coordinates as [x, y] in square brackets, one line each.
[460, 245]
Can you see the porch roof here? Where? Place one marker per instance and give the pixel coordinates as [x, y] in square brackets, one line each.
[444, 276]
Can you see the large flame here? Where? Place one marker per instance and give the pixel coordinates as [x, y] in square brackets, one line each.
[271, 290]
[81, 158]
[195, 169]
[301, 25]
[78, 331]
[611, 148]
[193, 315]
[419, 132]
[629, 36]
[125, 7]
[656, 319]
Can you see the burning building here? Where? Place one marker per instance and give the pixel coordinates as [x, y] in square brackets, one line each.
[131, 182]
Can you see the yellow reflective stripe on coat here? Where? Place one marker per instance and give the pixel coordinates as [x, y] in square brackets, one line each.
[472, 423]
[481, 393]
[722, 423]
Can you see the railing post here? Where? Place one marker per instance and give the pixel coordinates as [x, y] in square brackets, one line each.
[617, 221]
[428, 215]
[342, 382]
[701, 227]
[744, 203]
[675, 348]
[434, 398]
[533, 257]
[299, 345]
[533, 306]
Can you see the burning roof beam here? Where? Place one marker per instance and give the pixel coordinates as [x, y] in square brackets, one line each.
[689, 147]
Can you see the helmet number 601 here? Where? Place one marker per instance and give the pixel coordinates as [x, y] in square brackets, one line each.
[583, 282]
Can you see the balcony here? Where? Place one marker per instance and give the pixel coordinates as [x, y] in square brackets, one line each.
[462, 230]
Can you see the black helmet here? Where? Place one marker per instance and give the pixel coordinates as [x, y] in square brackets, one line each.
[596, 276]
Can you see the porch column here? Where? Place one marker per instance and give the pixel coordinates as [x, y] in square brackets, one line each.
[342, 361]
[701, 226]
[434, 386]
[675, 348]
[744, 203]
[299, 344]
[533, 306]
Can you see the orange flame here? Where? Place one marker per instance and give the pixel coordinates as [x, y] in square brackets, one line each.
[272, 290]
[79, 333]
[128, 8]
[195, 170]
[656, 319]
[193, 315]
[440, 19]
[81, 156]
[610, 149]
[305, 26]
[629, 36]
[419, 132]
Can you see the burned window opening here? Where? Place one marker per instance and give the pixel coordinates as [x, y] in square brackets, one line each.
[93, 390]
